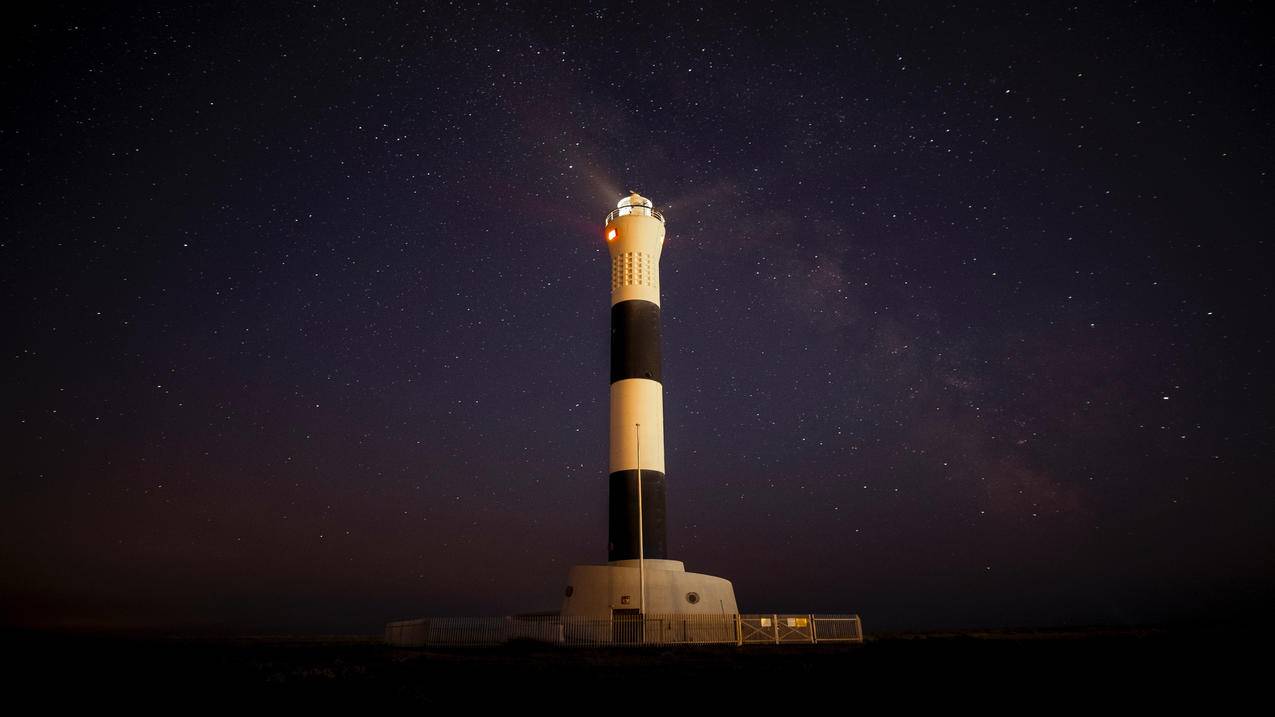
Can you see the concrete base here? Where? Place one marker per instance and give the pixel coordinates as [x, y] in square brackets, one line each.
[597, 590]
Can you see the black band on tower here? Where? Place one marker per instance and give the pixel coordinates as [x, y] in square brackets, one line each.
[635, 340]
[623, 516]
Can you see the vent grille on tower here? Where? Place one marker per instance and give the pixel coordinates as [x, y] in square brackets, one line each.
[633, 269]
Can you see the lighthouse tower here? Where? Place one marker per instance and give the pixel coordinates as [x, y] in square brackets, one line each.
[635, 237]
[638, 577]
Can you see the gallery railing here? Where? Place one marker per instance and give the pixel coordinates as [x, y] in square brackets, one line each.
[634, 209]
[622, 631]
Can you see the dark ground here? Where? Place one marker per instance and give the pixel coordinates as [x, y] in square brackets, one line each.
[1013, 670]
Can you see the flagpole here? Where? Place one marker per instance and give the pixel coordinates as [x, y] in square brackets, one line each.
[637, 429]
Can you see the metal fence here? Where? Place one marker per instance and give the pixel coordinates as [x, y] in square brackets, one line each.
[625, 630]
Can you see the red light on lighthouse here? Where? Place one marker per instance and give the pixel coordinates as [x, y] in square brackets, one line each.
[611, 235]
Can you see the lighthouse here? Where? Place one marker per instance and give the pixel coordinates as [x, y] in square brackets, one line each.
[635, 238]
[639, 577]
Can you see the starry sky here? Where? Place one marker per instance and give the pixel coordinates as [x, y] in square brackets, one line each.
[306, 307]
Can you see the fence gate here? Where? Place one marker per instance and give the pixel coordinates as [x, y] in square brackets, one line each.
[756, 628]
[794, 628]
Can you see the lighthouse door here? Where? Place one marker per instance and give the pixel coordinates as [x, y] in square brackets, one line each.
[626, 627]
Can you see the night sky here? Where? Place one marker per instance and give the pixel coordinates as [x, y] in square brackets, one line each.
[966, 308]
